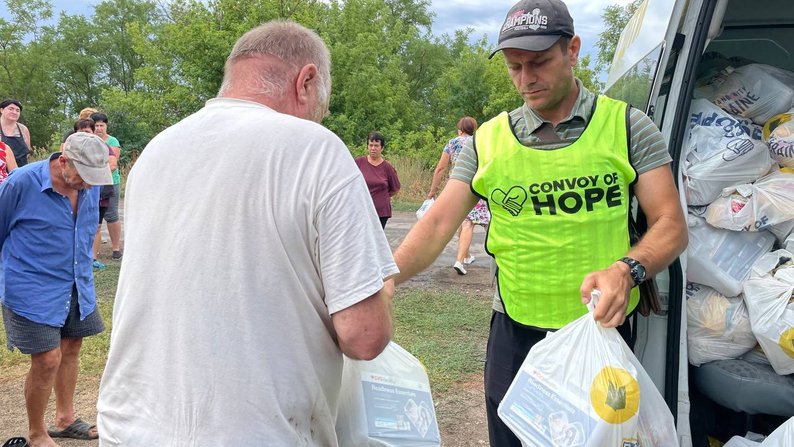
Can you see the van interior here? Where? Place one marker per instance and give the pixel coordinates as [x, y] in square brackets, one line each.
[732, 397]
[668, 50]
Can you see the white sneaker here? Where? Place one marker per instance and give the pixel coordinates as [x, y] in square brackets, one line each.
[459, 268]
[469, 260]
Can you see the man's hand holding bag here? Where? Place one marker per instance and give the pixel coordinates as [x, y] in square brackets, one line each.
[582, 386]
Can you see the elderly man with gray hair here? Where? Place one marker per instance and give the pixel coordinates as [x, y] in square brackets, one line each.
[237, 301]
[48, 215]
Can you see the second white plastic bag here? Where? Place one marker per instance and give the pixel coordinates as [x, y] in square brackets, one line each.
[768, 294]
[718, 327]
[386, 402]
[424, 208]
[582, 386]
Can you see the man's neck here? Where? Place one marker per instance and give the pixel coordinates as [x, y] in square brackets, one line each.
[564, 108]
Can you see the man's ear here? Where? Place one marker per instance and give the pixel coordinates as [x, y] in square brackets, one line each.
[574, 46]
[306, 82]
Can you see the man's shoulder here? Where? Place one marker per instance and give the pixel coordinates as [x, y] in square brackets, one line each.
[28, 176]
[29, 171]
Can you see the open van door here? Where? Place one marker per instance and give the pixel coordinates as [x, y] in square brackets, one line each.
[641, 73]
[665, 52]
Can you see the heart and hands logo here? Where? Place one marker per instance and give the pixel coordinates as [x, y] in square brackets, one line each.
[512, 200]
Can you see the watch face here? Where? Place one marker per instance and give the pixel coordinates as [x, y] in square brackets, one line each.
[636, 270]
[638, 273]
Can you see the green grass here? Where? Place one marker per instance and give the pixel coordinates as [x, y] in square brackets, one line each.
[446, 331]
[93, 354]
[405, 205]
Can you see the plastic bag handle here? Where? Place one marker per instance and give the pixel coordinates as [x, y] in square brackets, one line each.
[595, 295]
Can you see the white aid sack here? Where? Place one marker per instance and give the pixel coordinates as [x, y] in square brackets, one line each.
[386, 402]
[783, 436]
[788, 244]
[722, 259]
[718, 327]
[738, 441]
[424, 208]
[582, 386]
[722, 151]
[766, 204]
[778, 134]
[754, 91]
[768, 294]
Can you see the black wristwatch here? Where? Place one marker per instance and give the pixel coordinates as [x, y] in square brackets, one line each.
[636, 270]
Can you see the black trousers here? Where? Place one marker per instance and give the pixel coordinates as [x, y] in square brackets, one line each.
[508, 346]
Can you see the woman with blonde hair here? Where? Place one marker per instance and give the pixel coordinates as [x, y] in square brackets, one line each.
[479, 215]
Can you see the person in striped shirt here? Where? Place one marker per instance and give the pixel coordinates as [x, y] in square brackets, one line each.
[559, 174]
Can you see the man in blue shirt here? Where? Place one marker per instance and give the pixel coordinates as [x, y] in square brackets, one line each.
[48, 216]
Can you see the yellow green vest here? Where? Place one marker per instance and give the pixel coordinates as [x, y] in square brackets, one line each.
[556, 215]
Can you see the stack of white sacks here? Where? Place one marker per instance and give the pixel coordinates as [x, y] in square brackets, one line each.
[739, 185]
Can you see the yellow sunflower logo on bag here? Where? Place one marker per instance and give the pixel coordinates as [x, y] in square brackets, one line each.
[615, 395]
[786, 342]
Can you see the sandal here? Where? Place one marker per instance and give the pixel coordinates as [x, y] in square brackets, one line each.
[16, 442]
[78, 430]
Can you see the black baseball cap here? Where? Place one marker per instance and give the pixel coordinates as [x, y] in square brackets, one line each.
[534, 25]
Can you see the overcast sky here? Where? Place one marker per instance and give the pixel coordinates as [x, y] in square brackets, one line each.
[484, 16]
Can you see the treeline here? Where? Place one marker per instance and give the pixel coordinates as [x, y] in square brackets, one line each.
[148, 64]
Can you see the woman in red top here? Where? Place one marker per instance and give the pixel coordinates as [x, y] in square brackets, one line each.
[7, 161]
[380, 176]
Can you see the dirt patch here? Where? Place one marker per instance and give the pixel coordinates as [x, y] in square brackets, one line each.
[461, 415]
[13, 418]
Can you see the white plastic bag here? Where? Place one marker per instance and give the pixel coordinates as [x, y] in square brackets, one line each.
[386, 402]
[582, 386]
[718, 327]
[769, 202]
[768, 294]
[779, 135]
[783, 436]
[738, 441]
[788, 244]
[722, 259]
[423, 209]
[754, 91]
[722, 151]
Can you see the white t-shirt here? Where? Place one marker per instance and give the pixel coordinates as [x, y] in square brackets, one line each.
[245, 229]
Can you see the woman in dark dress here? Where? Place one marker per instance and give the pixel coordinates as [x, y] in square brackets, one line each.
[380, 176]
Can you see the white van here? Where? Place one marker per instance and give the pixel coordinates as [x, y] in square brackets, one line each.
[664, 51]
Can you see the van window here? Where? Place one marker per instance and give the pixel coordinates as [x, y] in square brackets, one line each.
[640, 39]
[635, 86]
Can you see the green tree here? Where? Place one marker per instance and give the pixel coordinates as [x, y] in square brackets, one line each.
[76, 69]
[587, 75]
[26, 59]
[614, 17]
[369, 42]
[113, 47]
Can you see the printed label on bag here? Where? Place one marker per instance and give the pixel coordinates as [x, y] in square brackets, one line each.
[540, 414]
[786, 342]
[615, 395]
[398, 408]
